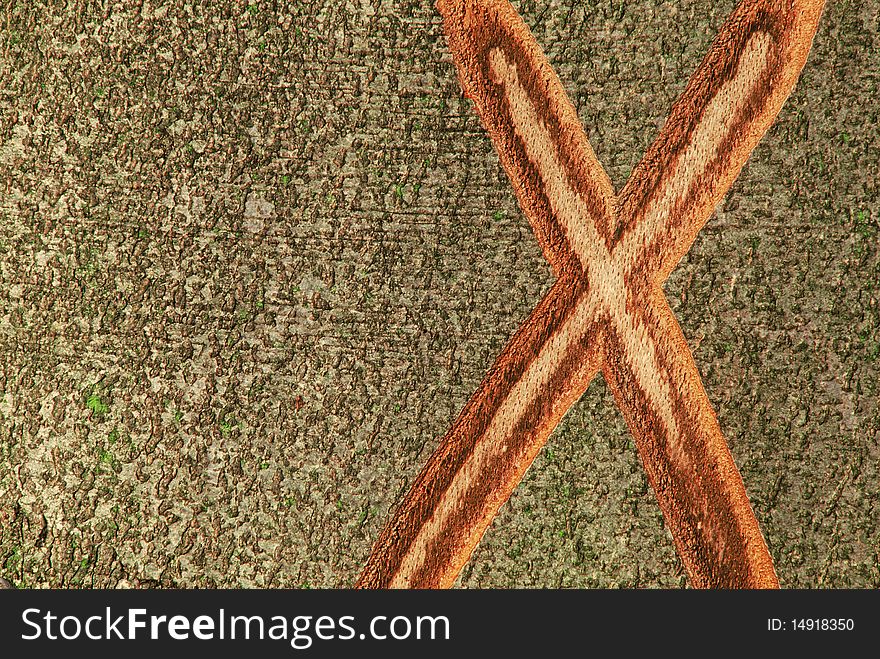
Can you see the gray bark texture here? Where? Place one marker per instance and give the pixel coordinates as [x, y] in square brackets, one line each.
[255, 257]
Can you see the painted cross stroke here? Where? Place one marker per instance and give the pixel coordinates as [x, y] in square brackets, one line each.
[606, 311]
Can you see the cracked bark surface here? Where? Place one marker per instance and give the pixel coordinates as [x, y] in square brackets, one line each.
[255, 258]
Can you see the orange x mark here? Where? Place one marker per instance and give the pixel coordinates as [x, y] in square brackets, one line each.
[606, 311]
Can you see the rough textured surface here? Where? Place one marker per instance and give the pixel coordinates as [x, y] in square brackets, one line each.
[254, 259]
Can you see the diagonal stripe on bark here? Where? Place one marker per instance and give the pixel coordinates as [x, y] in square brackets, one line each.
[607, 310]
